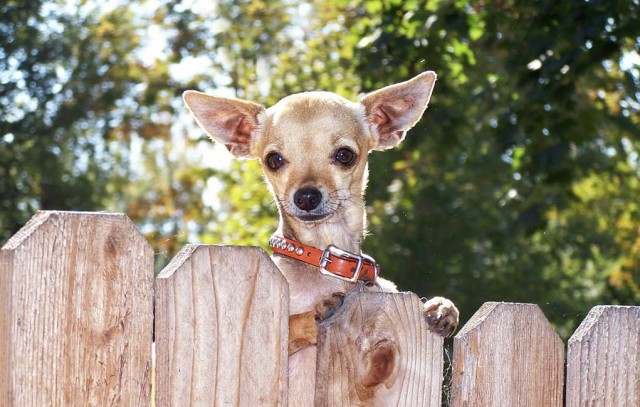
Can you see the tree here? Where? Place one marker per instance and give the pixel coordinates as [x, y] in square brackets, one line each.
[73, 94]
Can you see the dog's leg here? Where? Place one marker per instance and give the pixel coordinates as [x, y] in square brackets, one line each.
[303, 331]
[303, 328]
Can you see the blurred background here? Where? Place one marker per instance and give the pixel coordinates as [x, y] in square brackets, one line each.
[521, 183]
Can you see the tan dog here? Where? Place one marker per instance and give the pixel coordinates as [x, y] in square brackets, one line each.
[313, 148]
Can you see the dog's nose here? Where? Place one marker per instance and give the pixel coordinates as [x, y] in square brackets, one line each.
[307, 199]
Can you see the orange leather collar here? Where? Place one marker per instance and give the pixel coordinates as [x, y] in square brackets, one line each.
[333, 261]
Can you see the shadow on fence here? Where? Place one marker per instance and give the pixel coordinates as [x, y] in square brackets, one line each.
[77, 319]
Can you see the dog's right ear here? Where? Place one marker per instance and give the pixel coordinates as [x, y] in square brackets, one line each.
[232, 122]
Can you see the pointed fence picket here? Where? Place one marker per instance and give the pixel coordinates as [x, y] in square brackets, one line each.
[507, 355]
[221, 329]
[603, 359]
[377, 351]
[77, 312]
[77, 325]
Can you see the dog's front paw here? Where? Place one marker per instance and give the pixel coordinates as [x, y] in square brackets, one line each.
[328, 306]
[442, 316]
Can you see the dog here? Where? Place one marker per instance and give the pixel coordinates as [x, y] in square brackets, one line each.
[313, 148]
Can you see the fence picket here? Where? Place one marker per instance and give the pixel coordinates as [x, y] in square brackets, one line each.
[376, 351]
[221, 329]
[76, 312]
[603, 359]
[507, 355]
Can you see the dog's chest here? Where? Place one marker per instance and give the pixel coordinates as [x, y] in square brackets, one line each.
[306, 285]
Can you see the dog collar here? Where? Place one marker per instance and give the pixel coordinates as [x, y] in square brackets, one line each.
[332, 261]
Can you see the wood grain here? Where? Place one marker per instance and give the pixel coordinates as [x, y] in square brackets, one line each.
[603, 359]
[507, 355]
[221, 329]
[76, 312]
[377, 351]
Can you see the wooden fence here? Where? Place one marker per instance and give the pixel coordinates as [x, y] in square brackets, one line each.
[77, 322]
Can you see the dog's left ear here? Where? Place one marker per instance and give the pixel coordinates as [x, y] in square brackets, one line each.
[395, 109]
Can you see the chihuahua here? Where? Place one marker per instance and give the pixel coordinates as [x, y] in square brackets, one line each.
[313, 148]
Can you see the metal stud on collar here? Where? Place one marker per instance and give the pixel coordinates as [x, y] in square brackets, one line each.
[281, 244]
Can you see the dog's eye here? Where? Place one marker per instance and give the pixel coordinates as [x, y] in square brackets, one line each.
[345, 156]
[274, 161]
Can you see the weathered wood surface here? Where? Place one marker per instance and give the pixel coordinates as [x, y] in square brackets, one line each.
[507, 355]
[76, 312]
[377, 351]
[221, 329]
[603, 359]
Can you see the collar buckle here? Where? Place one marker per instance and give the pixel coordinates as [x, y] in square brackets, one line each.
[332, 250]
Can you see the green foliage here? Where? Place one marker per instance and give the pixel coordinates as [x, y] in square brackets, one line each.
[487, 201]
[72, 95]
[248, 215]
[520, 184]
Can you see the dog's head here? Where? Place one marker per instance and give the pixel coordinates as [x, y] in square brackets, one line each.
[313, 146]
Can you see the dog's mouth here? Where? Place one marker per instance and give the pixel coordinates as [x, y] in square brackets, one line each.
[312, 218]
